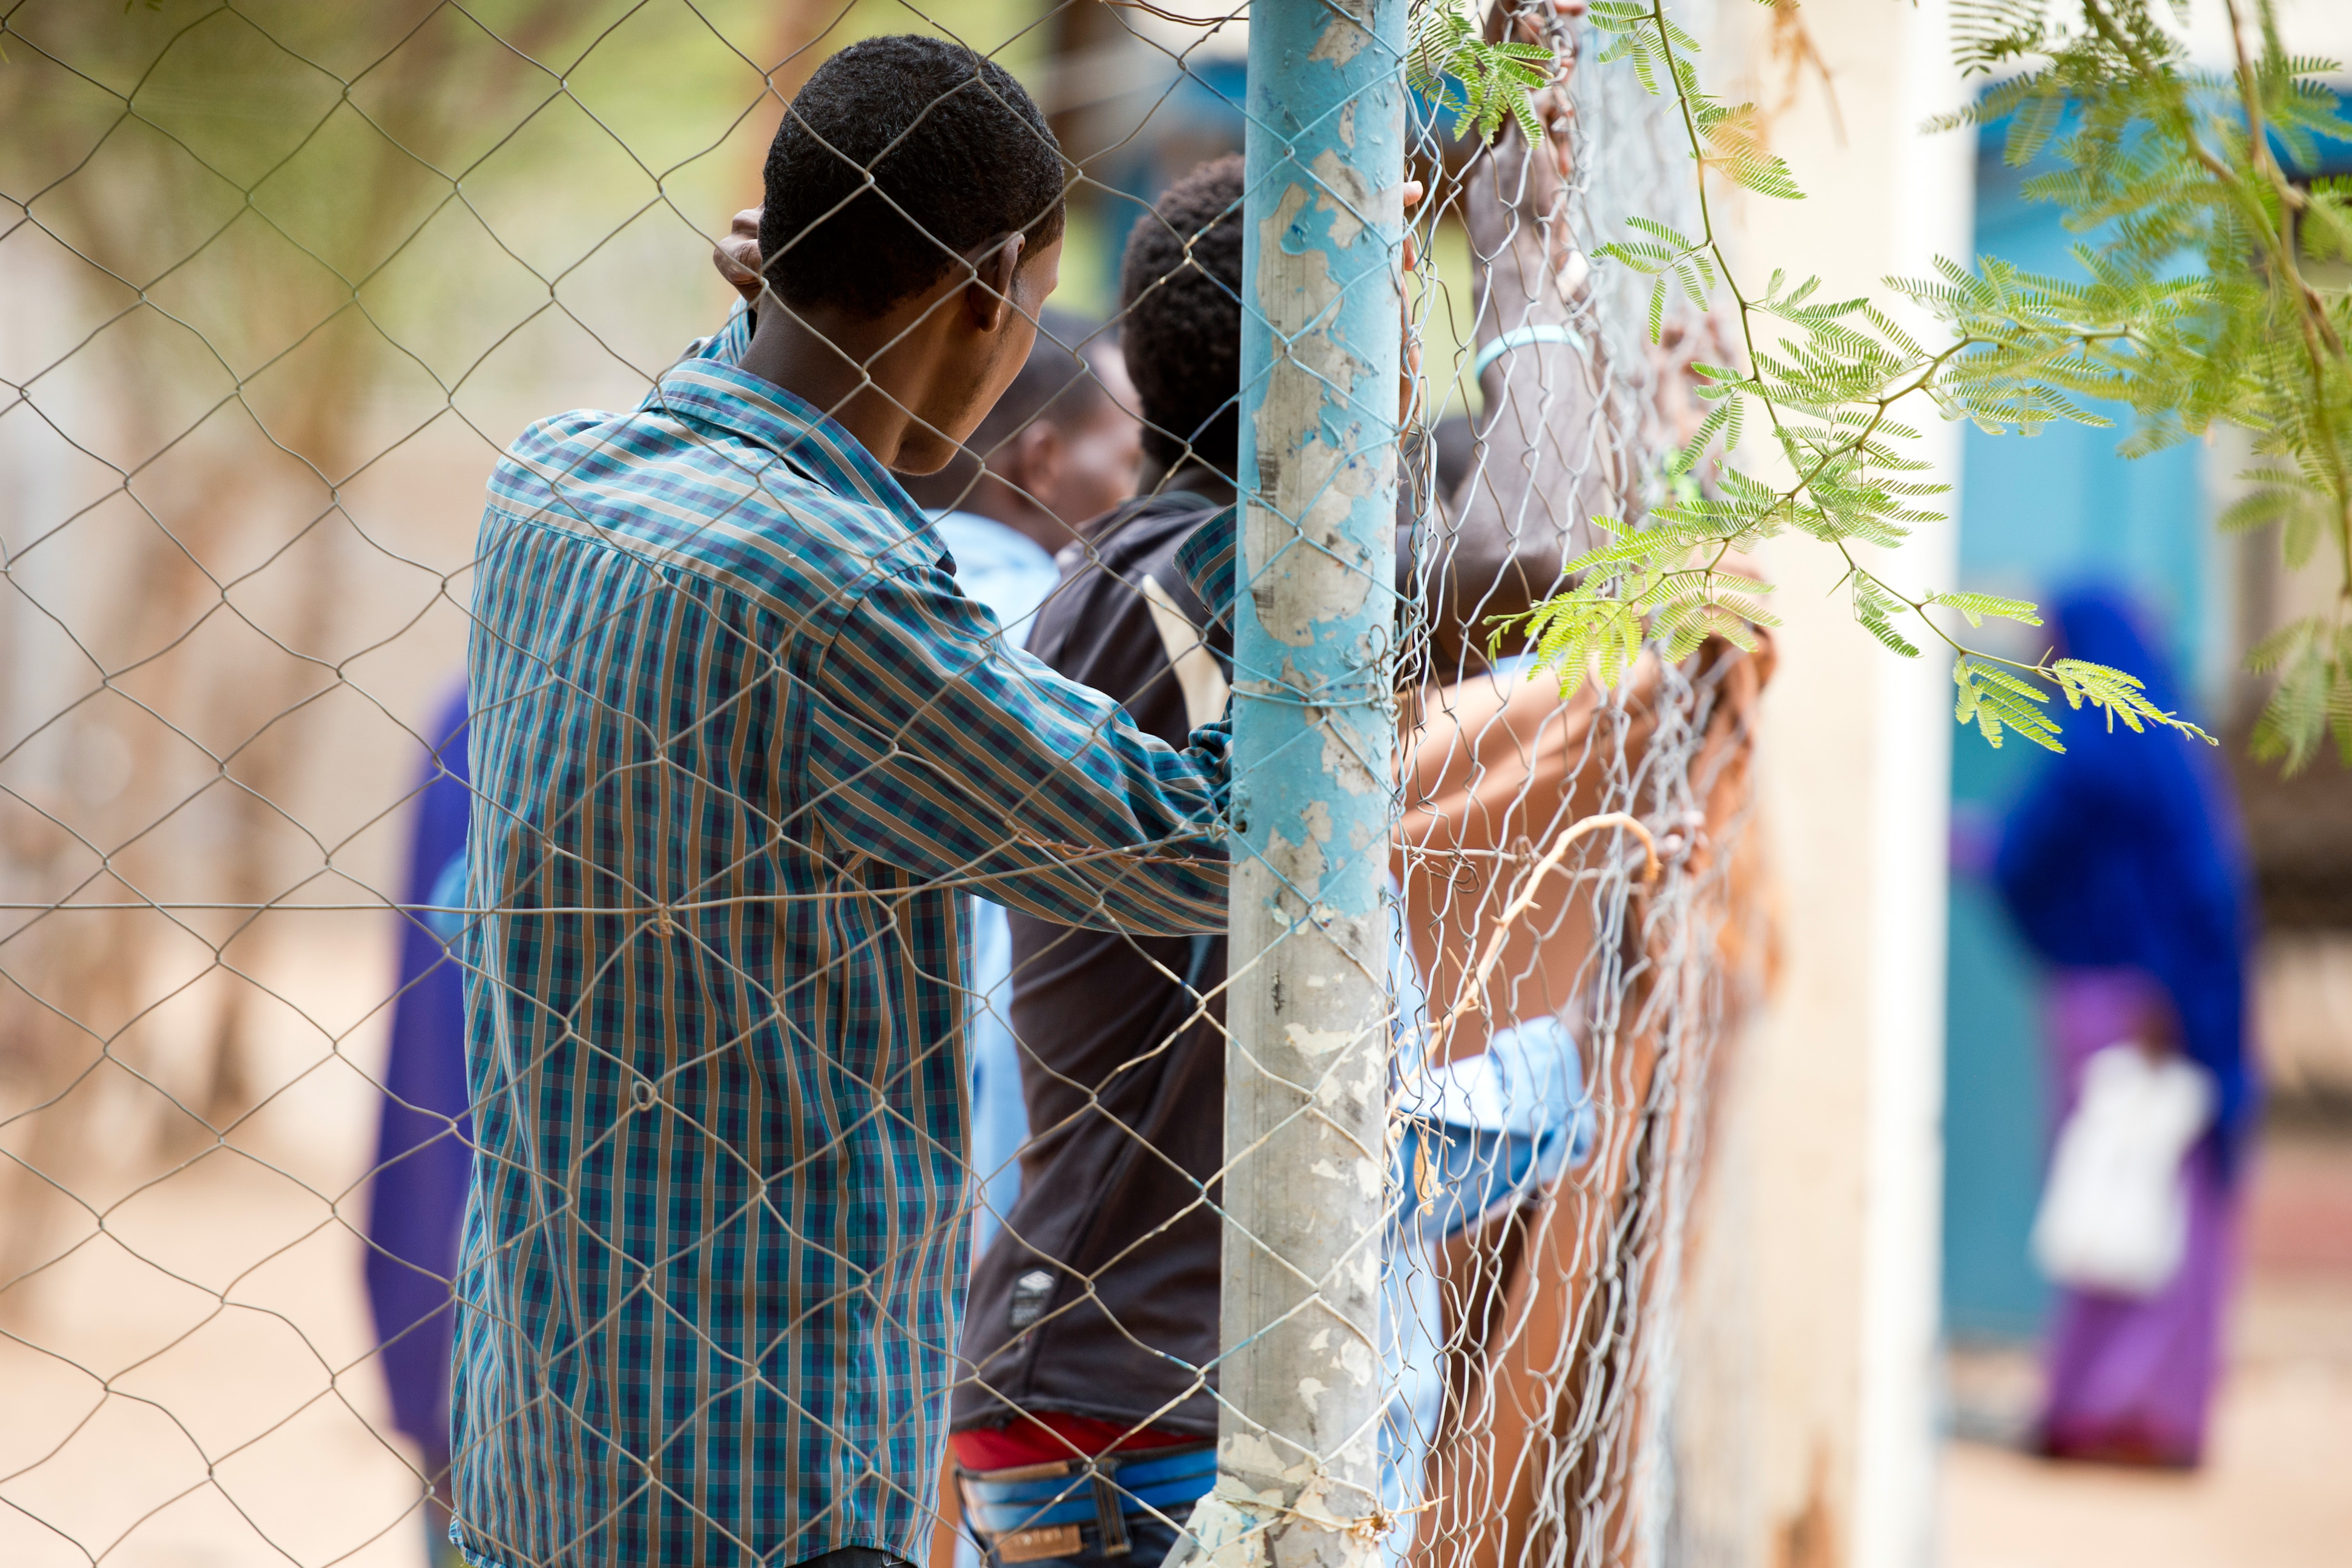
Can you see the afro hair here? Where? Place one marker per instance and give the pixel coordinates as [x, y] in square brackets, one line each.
[959, 155]
[1180, 290]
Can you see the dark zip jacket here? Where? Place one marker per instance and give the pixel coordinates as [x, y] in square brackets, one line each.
[1099, 1296]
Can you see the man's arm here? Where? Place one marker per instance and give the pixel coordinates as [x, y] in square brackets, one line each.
[1546, 461]
[935, 750]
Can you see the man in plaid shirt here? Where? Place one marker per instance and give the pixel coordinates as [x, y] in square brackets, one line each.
[739, 746]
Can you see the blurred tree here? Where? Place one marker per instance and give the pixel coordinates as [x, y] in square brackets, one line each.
[223, 192]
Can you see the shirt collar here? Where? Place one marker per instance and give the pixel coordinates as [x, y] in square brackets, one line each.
[712, 393]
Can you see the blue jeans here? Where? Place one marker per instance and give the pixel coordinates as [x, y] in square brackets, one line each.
[1148, 1543]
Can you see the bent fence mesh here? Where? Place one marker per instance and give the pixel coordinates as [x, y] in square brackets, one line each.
[278, 286]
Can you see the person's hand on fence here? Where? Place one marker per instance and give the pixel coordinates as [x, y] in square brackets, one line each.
[1532, 23]
[1549, 452]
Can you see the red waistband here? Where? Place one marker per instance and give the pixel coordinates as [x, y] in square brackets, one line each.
[1051, 1435]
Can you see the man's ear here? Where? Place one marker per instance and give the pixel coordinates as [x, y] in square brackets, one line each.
[1032, 461]
[989, 296]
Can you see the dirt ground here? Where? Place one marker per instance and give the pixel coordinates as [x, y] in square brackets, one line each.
[191, 1385]
[2276, 1491]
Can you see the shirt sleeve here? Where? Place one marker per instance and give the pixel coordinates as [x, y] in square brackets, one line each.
[936, 750]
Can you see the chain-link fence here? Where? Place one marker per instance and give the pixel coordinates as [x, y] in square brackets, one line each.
[923, 1084]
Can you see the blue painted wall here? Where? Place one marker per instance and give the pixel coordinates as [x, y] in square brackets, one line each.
[2035, 515]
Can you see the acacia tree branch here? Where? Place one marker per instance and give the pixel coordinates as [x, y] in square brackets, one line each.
[2320, 339]
[1845, 378]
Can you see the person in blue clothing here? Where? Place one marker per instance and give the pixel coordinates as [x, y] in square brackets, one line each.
[424, 1141]
[2124, 868]
[1062, 447]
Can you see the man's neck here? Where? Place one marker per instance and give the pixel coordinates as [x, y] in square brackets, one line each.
[824, 361]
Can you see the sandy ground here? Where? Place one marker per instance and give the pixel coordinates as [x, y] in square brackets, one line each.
[2278, 1490]
[196, 1392]
[191, 1385]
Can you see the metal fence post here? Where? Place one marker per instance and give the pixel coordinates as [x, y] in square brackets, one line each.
[1314, 733]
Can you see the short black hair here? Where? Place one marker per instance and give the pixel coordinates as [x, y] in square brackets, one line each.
[1180, 294]
[1054, 383]
[958, 155]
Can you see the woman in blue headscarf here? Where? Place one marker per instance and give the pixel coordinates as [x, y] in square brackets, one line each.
[2125, 867]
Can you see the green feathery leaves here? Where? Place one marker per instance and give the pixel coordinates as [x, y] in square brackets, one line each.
[2312, 701]
[2198, 305]
[1999, 701]
[1481, 83]
[2122, 696]
[2188, 305]
[1638, 588]
[1978, 606]
[1877, 608]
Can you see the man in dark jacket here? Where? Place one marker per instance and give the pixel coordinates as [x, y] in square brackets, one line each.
[1090, 1320]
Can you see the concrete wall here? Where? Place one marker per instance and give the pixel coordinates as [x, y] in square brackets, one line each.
[1823, 1209]
[1806, 1426]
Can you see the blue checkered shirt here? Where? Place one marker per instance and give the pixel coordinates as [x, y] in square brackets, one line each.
[739, 746]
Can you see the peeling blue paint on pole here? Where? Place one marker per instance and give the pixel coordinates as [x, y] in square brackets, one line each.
[1314, 738]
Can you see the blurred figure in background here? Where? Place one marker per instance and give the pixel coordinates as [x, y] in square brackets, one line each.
[1061, 446]
[2124, 868]
[424, 1140]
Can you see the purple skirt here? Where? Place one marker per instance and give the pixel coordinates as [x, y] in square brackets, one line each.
[2131, 1381]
